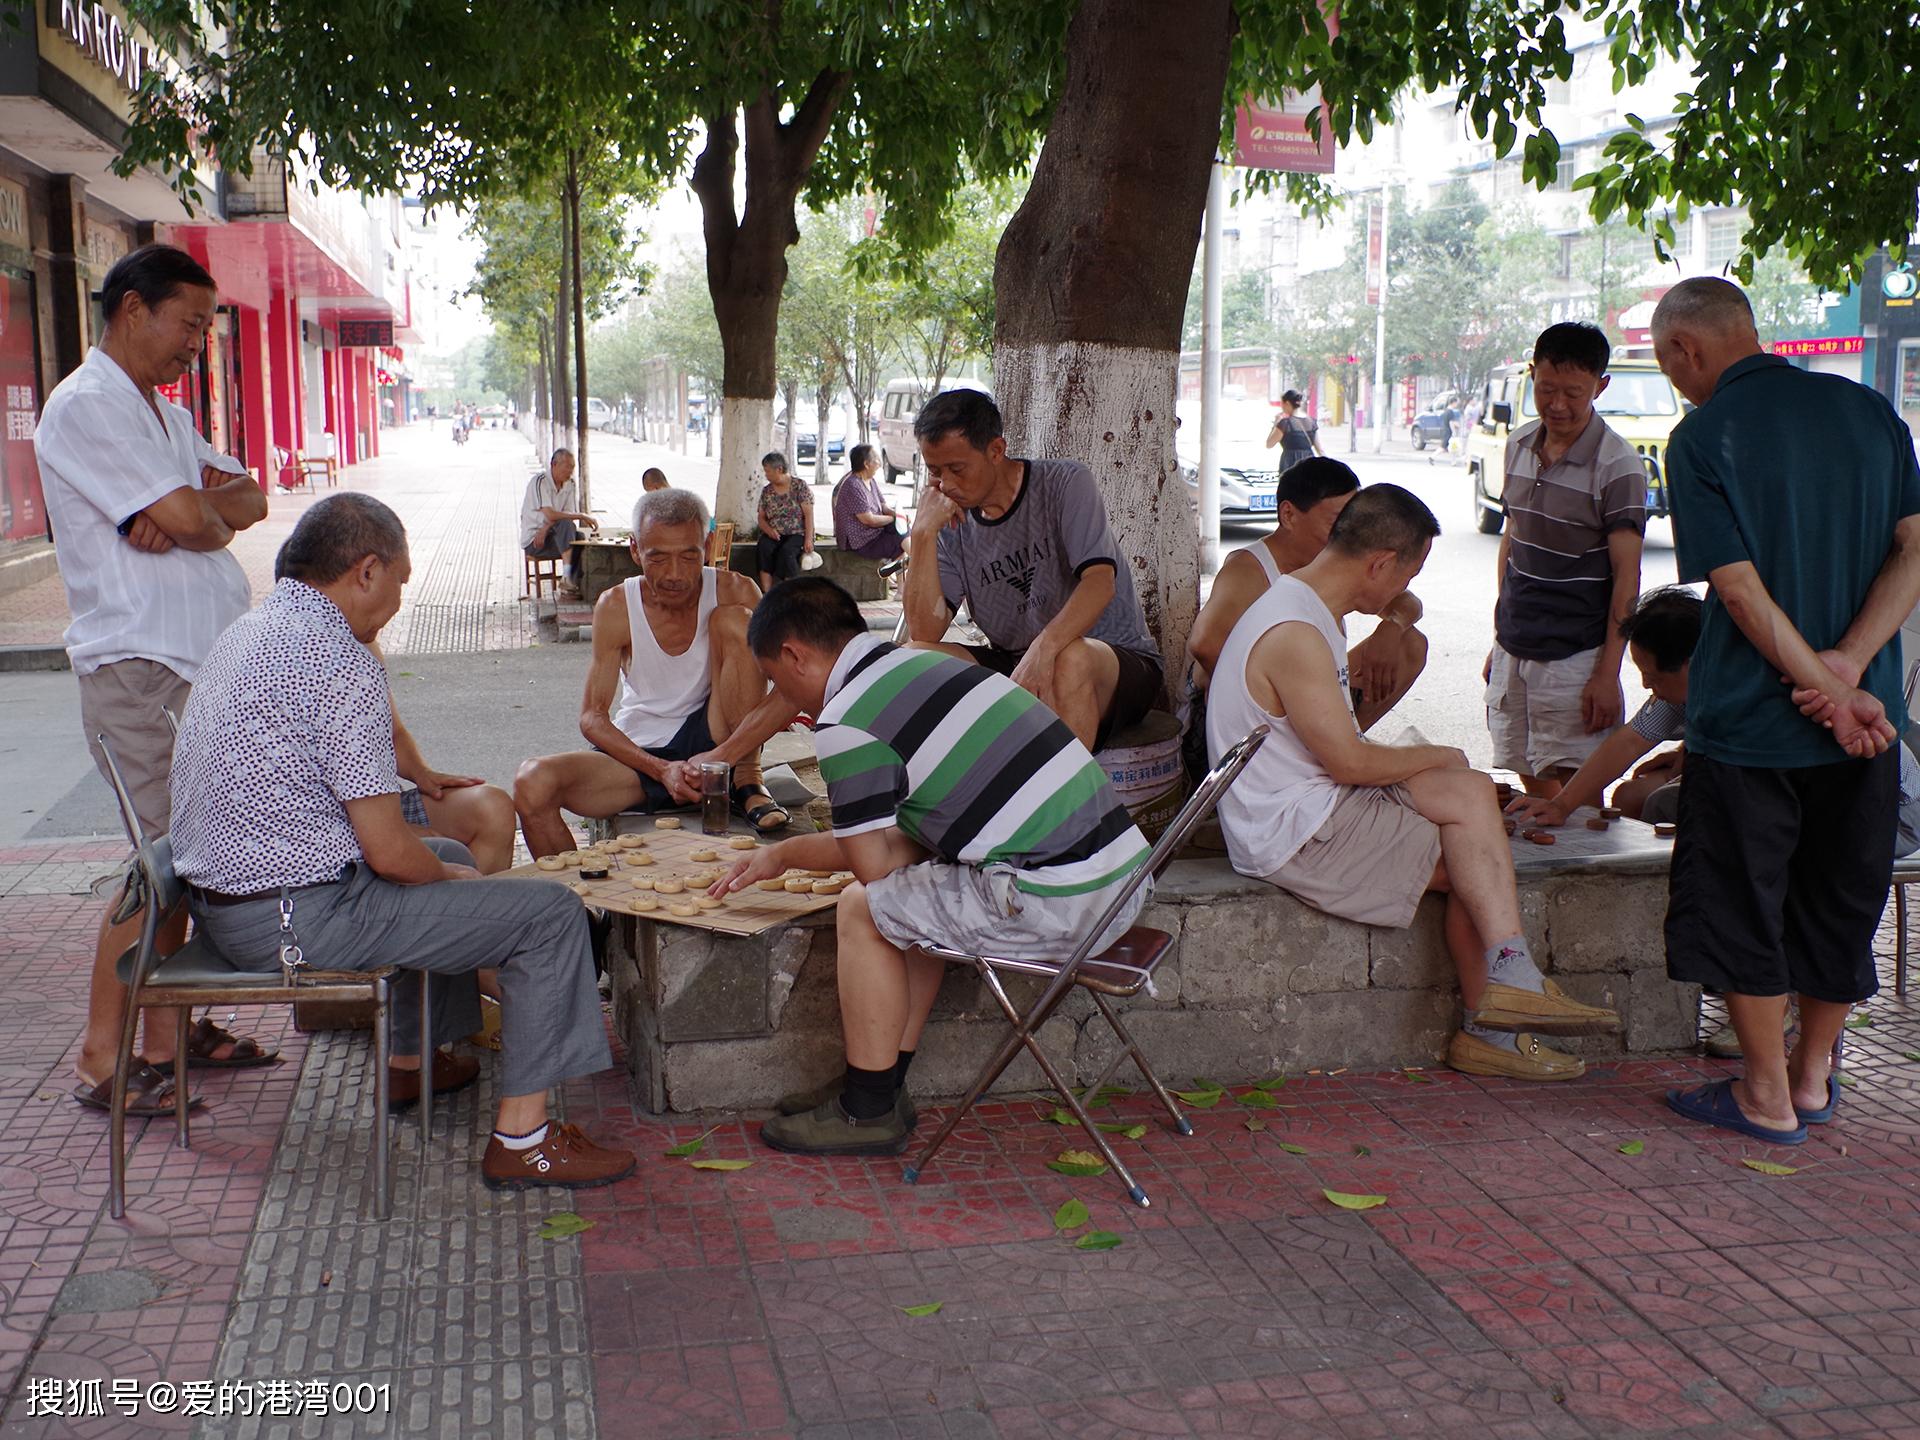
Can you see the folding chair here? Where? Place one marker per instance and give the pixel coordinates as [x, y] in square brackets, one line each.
[197, 974]
[1122, 970]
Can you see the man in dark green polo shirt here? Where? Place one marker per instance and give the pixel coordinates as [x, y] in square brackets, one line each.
[1797, 498]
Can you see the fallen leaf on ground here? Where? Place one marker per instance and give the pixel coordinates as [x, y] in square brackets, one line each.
[1070, 1216]
[1293, 1149]
[1362, 1151]
[1913, 1055]
[1270, 1085]
[1840, 1077]
[689, 1147]
[1256, 1126]
[1097, 1240]
[1633, 1147]
[1417, 1077]
[1134, 1131]
[1063, 1116]
[1077, 1162]
[1862, 1021]
[719, 1164]
[1768, 1167]
[932, 1307]
[1354, 1202]
[1258, 1100]
[560, 1226]
[1201, 1099]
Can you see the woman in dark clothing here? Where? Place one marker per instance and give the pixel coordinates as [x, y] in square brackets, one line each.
[786, 522]
[1297, 435]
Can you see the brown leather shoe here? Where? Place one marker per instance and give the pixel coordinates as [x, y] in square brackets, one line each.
[565, 1157]
[450, 1073]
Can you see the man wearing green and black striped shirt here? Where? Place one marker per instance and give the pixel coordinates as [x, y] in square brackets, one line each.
[970, 816]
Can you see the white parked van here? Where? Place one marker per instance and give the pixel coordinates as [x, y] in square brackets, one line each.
[900, 402]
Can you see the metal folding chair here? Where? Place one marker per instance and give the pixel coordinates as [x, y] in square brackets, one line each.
[197, 974]
[1121, 971]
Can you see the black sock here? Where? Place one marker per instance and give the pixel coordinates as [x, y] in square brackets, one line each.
[869, 1093]
[900, 1068]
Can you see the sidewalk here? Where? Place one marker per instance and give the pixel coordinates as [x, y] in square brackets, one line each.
[1525, 1278]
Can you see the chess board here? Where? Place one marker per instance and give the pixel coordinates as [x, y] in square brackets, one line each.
[747, 912]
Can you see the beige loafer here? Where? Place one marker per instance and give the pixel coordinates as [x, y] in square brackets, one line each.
[1471, 1055]
[1548, 1012]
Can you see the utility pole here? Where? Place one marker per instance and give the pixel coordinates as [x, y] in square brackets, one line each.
[1380, 326]
[1210, 370]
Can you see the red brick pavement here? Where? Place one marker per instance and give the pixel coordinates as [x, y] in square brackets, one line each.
[1525, 1278]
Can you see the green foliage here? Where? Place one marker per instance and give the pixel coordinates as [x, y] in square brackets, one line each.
[1243, 310]
[673, 321]
[941, 299]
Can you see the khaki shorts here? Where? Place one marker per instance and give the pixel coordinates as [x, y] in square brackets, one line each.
[125, 702]
[1533, 713]
[978, 910]
[1370, 862]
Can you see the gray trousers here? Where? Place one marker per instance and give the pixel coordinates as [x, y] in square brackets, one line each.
[534, 932]
[560, 535]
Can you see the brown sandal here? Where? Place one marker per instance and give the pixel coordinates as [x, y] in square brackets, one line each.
[206, 1037]
[149, 1092]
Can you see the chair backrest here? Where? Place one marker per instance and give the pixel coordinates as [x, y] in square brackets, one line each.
[154, 855]
[1196, 810]
[720, 544]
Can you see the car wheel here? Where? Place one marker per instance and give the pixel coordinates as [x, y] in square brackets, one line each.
[1486, 518]
[1419, 438]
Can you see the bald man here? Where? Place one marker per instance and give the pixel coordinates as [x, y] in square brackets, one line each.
[1809, 536]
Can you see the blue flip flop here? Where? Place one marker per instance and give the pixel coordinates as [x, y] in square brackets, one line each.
[1825, 1112]
[1714, 1105]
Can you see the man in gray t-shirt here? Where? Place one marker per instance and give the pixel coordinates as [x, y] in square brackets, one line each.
[1026, 545]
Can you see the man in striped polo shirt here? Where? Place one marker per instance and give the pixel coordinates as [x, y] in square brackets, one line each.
[1576, 499]
[970, 816]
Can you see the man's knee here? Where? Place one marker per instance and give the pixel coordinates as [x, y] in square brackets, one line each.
[494, 814]
[1413, 652]
[851, 908]
[535, 786]
[448, 850]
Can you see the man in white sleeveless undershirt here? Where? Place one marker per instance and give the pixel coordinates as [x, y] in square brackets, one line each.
[671, 677]
[1362, 830]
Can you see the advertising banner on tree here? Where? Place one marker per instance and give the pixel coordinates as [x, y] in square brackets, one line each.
[23, 513]
[1376, 252]
[1275, 134]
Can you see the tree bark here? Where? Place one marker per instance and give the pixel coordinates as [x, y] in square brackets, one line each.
[1091, 276]
[746, 256]
[579, 322]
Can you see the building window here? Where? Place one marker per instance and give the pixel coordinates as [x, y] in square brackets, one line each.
[1723, 239]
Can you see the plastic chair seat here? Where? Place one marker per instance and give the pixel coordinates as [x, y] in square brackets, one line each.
[197, 963]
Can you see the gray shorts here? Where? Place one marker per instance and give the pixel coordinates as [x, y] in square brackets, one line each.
[979, 910]
[1371, 860]
[1533, 713]
[126, 702]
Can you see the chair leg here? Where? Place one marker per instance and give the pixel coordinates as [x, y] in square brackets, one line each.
[181, 1137]
[117, 1111]
[382, 1045]
[1900, 940]
[1180, 1121]
[990, 1073]
[426, 1061]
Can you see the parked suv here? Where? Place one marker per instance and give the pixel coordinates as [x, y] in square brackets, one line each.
[900, 402]
[1639, 403]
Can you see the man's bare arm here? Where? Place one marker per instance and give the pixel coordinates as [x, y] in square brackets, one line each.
[393, 851]
[1235, 588]
[1291, 673]
[1895, 592]
[612, 635]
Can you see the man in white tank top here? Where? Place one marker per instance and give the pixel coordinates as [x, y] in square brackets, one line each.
[1310, 498]
[1362, 830]
[671, 676]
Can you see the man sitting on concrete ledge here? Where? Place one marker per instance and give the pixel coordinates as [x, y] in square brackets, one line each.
[1026, 545]
[1361, 830]
[286, 802]
[969, 816]
[671, 676]
[1383, 666]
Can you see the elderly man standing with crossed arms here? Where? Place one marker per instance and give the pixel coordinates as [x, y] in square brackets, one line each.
[143, 510]
[1809, 537]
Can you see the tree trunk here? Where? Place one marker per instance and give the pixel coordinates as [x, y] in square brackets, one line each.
[579, 322]
[1091, 279]
[747, 266]
[823, 404]
[562, 404]
[789, 397]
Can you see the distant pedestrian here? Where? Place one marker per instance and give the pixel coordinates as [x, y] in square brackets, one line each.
[1809, 537]
[143, 510]
[1297, 435]
[863, 522]
[1569, 568]
[786, 522]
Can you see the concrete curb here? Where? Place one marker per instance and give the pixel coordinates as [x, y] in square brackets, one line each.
[17, 659]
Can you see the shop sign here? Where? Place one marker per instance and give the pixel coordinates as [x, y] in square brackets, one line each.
[364, 332]
[13, 215]
[1831, 345]
[104, 245]
[1276, 132]
[106, 38]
